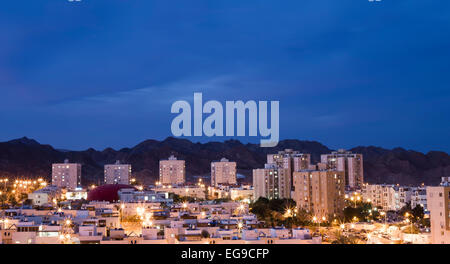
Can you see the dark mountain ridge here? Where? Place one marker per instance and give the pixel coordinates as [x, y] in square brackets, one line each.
[28, 159]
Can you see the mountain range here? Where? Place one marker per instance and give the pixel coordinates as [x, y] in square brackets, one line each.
[28, 158]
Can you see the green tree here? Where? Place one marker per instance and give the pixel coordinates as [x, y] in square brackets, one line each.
[418, 213]
[405, 209]
[260, 208]
[23, 197]
[412, 229]
[205, 233]
[12, 200]
[3, 198]
[302, 217]
[363, 212]
[342, 239]
[273, 212]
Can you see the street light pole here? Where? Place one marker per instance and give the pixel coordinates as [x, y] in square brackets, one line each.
[315, 220]
[385, 218]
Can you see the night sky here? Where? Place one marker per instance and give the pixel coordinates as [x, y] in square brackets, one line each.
[104, 73]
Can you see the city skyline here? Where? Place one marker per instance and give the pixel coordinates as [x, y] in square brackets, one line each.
[246, 124]
[319, 207]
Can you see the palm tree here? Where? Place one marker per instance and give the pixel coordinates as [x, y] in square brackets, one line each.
[341, 239]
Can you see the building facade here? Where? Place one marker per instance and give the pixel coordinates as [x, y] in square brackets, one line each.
[44, 196]
[117, 173]
[290, 160]
[66, 175]
[439, 206]
[387, 197]
[223, 172]
[350, 163]
[321, 192]
[272, 182]
[183, 191]
[127, 195]
[242, 193]
[419, 198]
[172, 171]
[445, 181]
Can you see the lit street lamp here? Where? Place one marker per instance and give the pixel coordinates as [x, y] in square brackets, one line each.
[240, 226]
[318, 221]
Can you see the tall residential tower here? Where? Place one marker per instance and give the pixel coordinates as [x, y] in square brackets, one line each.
[350, 163]
[272, 182]
[320, 192]
[223, 172]
[66, 175]
[438, 202]
[172, 171]
[117, 173]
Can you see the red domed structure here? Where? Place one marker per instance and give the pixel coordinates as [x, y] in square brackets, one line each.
[108, 192]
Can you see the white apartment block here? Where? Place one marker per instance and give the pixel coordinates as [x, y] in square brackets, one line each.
[439, 207]
[387, 196]
[117, 173]
[77, 194]
[242, 193]
[44, 196]
[219, 192]
[350, 163]
[183, 191]
[172, 171]
[272, 182]
[127, 195]
[66, 175]
[223, 172]
[445, 181]
[419, 197]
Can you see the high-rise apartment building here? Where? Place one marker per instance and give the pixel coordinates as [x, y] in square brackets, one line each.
[321, 192]
[66, 175]
[117, 173]
[290, 160]
[223, 172]
[301, 161]
[438, 200]
[272, 182]
[350, 163]
[172, 171]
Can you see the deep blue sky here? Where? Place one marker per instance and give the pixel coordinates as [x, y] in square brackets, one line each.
[346, 72]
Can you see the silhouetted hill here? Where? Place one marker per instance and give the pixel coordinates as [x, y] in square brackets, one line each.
[27, 158]
[403, 166]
